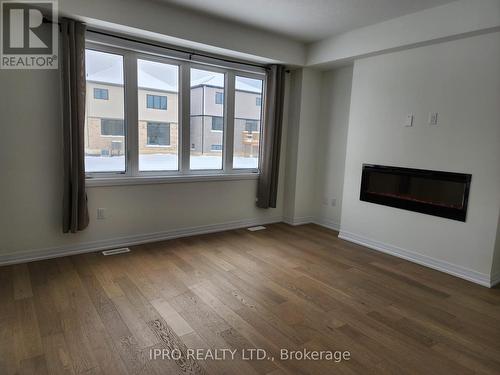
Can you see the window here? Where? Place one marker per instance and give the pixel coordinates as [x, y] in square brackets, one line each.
[207, 119]
[161, 135]
[158, 83]
[247, 122]
[251, 125]
[105, 135]
[158, 134]
[217, 123]
[156, 101]
[101, 93]
[112, 127]
[219, 98]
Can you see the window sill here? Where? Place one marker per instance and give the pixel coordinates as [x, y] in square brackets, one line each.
[151, 180]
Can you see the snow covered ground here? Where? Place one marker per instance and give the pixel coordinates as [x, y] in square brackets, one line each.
[162, 162]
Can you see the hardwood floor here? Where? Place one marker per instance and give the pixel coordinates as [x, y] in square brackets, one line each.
[285, 287]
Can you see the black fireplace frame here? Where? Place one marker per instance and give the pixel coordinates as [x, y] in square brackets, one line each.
[422, 207]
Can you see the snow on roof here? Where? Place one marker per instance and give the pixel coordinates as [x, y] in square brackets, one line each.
[240, 85]
[149, 81]
[159, 76]
[104, 67]
[244, 84]
[145, 80]
[107, 75]
[209, 80]
[108, 68]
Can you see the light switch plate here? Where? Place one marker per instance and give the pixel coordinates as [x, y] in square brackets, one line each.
[409, 120]
[433, 118]
[101, 213]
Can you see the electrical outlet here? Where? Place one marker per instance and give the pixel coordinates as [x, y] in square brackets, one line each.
[101, 213]
[333, 202]
[409, 120]
[433, 118]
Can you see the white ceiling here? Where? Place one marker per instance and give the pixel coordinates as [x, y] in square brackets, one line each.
[307, 20]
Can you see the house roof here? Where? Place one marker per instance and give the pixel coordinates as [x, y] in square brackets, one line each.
[149, 81]
[242, 83]
[108, 68]
[247, 84]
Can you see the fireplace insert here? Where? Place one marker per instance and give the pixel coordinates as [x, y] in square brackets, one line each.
[435, 193]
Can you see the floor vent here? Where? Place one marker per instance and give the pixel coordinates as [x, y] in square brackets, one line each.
[116, 251]
[254, 229]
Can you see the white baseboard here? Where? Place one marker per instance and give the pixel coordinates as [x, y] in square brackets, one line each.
[88, 247]
[327, 223]
[495, 279]
[298, 220]
[440, 265]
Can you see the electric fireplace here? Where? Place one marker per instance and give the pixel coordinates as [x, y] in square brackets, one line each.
[435, 193]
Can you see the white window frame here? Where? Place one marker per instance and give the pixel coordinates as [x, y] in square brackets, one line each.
[132, 175]
[226, 125]
[135, 119]
[262, 109]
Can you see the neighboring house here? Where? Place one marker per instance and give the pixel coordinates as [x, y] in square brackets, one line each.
[207, 121]
[158, 113]
[104, 133]
[158, 117]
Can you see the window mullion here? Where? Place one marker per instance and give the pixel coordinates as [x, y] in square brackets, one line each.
[229, 116]
[218, 104]
[132, 114]
[185, 117]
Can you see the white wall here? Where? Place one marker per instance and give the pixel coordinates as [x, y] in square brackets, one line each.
[455, 19]
[302, 144]
[31, 185]
[295, 89]
[158, 20]
[461, 80]
[331, 147]
[306, 151]
[495, 268]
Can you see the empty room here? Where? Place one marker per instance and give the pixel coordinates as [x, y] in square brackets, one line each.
[249, 187]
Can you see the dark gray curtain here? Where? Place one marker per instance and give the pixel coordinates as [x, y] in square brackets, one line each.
[75, 216]
[267, 191]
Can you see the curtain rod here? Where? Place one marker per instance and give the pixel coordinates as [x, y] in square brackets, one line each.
[189, 52]
[159, 45]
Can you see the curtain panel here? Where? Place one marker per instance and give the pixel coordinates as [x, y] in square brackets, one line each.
[267, 191]
[75, 215]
